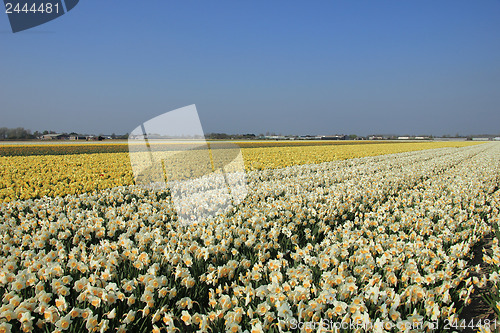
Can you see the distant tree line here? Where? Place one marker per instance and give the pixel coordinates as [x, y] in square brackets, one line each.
[224, 136]
[21, 133]
[18, 133]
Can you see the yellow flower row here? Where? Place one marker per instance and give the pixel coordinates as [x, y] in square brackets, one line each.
[25, 177]
[288, 155]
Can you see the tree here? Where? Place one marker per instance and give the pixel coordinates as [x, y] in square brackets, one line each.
[18, 133]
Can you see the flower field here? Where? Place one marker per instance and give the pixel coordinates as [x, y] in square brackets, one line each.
[383, 240]
[34, 171]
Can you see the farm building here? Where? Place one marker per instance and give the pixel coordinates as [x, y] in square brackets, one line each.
[333, 137]
[54, 137]
[78, 137]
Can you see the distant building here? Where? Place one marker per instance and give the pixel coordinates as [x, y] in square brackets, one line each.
[78, 137]
[480, 139]
[94, 138]
[450, 139]
[333, 137]
[403, 138]
[54, 137]
[496, 138]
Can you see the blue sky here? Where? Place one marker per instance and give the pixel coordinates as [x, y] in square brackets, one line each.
[290, 67]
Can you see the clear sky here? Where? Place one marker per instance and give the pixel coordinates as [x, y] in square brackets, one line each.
[252, 66]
